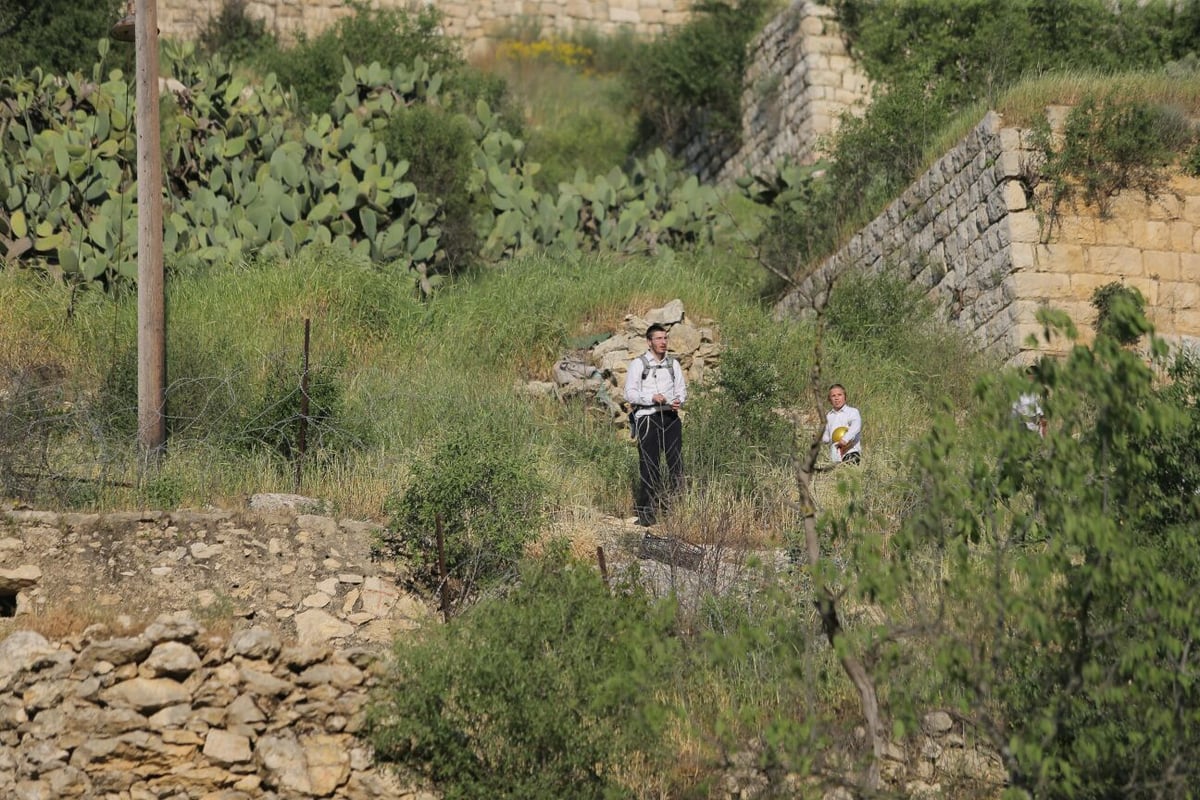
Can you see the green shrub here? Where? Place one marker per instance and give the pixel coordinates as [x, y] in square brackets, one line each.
[483, 486]
[590, 444]
[879, 312]
[163, 491]
[968, 50]
[234, 34]
[215, 397]
[314, 66]
[271, 417]
[692, 76]
[887, 321]
[751, 387]
[58, 35]
[438, 146]
[736, 430]
[546, 693]
[1120, 312]
[1111, 145]
[1072, 592]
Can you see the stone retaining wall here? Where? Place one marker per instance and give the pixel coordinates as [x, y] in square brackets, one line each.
[967, 232]
[146, 704]
[800, 81]
[477, 22]
[310, 578]
[175, 713]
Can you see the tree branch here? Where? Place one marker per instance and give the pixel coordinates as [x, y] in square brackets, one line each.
[824, 596]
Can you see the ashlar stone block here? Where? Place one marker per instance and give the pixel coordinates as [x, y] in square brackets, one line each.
[1163, 264]
[1178, 295]
[1182, 236]
[1034, 285]
[1024, 226]
[1106, 260]
[1065, 258]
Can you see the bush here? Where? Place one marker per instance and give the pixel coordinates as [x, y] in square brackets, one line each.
[968, 50]
[1069, 562]
[889, 324]
[693, 75]
[227, 403]
[314, 66]
[1111, 145]
[734, 434]
[235, 34]
[59, 36]
[438, 146]
[270, 420]
[484, 488]
[1120, 312]
[544, 694]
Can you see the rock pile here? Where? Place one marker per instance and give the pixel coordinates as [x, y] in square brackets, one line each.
[598, 372]
[305, 576]
[176, 713]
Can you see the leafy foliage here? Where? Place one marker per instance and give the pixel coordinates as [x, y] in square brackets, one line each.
[234, 34]
[438, 147]
[1067, 564]
[249, 176]
[214, 395]
[56, 35]
[692, 76]
[547, 693]
[1111, 145]
[391, 37]
[736, 428]
[968, 50]
[483, 488]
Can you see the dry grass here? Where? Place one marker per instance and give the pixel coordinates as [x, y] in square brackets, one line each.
[1026, 102]
[73, 618]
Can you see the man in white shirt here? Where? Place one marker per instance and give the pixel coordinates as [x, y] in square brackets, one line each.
[655, 389]
[843, 428]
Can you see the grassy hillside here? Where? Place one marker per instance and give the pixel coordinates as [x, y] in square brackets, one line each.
[1039, 589]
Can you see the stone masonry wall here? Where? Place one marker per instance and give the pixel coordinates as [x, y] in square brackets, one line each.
[966, 231]
[173, 712]
[800, 81]
[230, 655]
[477, 22]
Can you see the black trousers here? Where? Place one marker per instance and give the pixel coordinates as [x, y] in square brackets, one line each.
[659, 435]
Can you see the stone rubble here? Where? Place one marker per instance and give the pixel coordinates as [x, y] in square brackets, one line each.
[302, 575]
[177, 713]
[598, 373]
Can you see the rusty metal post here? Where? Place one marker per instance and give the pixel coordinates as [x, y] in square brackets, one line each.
[603, 566]
[443, 579]
[302, 434]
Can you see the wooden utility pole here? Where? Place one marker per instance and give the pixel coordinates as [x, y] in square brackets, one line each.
[151, 343]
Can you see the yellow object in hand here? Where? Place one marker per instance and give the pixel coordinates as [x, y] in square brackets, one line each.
[839, 432]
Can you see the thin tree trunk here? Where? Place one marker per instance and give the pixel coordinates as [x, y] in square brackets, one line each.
[824, 597]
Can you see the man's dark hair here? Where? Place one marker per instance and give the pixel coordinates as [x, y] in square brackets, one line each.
[653, 329]
[837, 386]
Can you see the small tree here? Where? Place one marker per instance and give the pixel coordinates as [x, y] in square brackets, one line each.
[1055, 576]
[549, 692]
[484, 489]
